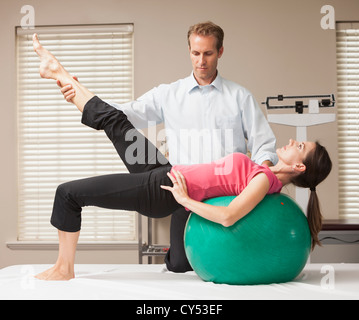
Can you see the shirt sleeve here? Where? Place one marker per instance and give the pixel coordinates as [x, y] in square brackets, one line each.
[261, 141]
[144, 112]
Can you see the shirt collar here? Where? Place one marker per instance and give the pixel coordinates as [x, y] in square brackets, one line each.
[192, 82]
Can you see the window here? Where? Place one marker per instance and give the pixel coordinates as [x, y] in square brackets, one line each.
[53, 145]
[348, 118]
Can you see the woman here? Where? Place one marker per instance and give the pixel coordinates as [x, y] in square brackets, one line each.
[156, 189]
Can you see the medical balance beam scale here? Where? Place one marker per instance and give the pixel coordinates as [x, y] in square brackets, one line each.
[301, 121]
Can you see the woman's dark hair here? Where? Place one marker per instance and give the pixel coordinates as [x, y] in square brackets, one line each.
[318, 166]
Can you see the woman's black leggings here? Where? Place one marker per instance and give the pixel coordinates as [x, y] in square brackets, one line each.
[138, 190]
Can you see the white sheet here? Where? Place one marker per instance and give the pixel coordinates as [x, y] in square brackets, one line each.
[153, 282]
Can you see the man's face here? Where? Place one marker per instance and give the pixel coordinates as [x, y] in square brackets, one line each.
[204, 56]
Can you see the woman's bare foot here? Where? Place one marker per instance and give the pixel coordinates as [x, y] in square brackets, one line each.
[56, 273]
[50, 67]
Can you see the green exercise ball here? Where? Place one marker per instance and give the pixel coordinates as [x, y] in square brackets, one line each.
[271, 244]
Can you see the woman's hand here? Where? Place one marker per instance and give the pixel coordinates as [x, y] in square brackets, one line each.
[179, 189]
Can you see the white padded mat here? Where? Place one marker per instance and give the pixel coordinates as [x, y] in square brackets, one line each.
[154, 282]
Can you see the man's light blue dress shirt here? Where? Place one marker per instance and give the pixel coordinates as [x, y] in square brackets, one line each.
[204, 123]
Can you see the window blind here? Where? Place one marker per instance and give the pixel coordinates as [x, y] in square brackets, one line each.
[347, 36]
[53, 146]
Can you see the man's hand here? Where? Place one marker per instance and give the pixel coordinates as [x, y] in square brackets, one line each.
[267, 163]
[68, 91]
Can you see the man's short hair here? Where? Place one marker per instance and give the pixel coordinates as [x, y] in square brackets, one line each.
[207, 29]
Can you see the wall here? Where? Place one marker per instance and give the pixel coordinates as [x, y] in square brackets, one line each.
[271, 47]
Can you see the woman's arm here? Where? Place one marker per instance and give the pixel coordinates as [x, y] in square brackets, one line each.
[227, 216]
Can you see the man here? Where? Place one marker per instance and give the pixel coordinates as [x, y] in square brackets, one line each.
[206, 117]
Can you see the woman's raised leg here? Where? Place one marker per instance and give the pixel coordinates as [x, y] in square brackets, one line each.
[135, 150]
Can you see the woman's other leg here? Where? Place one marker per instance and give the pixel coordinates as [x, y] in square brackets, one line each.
[134, 192]
[64, 266]
[139, 192]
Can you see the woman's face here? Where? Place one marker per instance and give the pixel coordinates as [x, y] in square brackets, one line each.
[295, 152]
